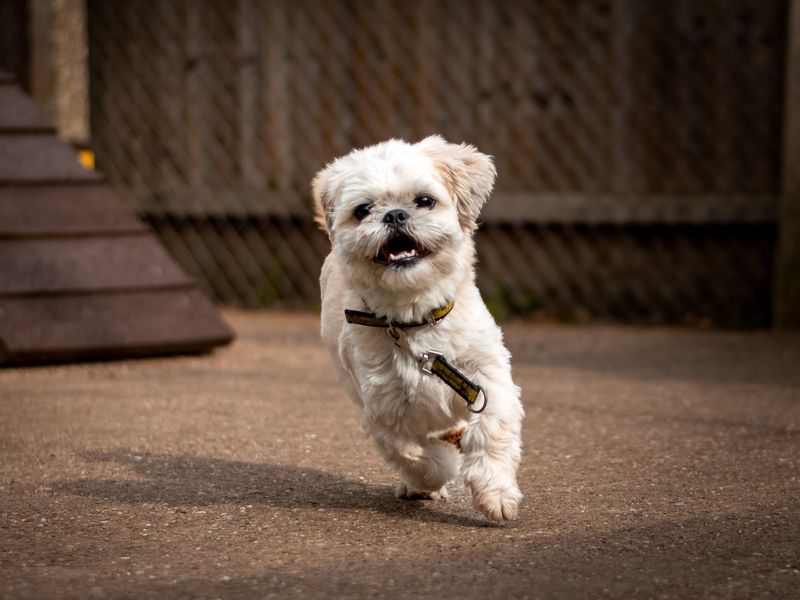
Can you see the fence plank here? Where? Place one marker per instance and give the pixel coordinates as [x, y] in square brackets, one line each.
[506, 207]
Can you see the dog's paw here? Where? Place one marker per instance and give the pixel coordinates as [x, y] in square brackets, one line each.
[498, 504]
[405, 492]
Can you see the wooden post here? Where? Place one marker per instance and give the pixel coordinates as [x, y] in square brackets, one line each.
[787, 267]
[59, 65]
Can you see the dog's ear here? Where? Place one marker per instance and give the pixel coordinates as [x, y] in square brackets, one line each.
[323, 193]
[466, 173]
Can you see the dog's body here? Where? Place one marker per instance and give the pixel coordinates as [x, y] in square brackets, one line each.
[401, 219]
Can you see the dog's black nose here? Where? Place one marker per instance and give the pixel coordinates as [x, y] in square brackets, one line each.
[395, 217]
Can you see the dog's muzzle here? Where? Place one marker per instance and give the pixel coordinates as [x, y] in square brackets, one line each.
[401, 250]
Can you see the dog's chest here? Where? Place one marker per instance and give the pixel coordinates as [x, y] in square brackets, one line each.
[390, 377]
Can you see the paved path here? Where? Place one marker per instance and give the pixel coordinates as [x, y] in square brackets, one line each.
[658, 463]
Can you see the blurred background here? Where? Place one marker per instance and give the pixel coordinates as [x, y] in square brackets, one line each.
[641, 145]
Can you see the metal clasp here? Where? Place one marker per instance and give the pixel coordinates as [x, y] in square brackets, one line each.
[428, 358]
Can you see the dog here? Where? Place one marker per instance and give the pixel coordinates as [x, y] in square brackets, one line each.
[436, 393]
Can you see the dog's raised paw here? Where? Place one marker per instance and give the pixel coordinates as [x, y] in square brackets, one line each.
[405, 492]
[498, 504]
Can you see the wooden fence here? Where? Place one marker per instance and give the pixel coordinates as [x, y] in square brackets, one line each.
[638, 142]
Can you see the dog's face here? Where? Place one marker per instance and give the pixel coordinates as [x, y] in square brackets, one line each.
[402, 215]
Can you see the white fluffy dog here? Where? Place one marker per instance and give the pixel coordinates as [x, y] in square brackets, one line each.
[436, 393]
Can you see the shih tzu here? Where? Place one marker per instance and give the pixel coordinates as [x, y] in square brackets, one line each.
[410, 336]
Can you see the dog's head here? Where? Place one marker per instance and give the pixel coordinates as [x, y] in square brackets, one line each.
[403, 215]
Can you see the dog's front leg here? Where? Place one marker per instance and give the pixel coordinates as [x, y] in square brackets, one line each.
[492, 447]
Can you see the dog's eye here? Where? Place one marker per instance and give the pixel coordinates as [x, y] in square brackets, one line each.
[361, 211]
[424, 202]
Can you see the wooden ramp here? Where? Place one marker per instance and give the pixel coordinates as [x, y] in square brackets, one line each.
[81, 278]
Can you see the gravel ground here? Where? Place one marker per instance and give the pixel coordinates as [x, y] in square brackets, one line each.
[659, 463]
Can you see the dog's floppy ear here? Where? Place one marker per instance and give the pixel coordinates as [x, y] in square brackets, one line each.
[466, 173]
[324, 194]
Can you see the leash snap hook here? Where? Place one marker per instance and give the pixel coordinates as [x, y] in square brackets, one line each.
[426, 360]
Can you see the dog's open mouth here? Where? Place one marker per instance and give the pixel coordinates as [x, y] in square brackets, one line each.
[401, 250]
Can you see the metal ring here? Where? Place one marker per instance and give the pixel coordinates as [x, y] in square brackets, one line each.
[485, 402]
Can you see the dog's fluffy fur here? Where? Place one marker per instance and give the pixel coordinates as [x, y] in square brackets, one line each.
[411, 414]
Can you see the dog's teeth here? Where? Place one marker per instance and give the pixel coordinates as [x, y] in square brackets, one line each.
[402, 255]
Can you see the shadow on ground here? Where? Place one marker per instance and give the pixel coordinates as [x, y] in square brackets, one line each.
[196, 481]
[749, 551]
